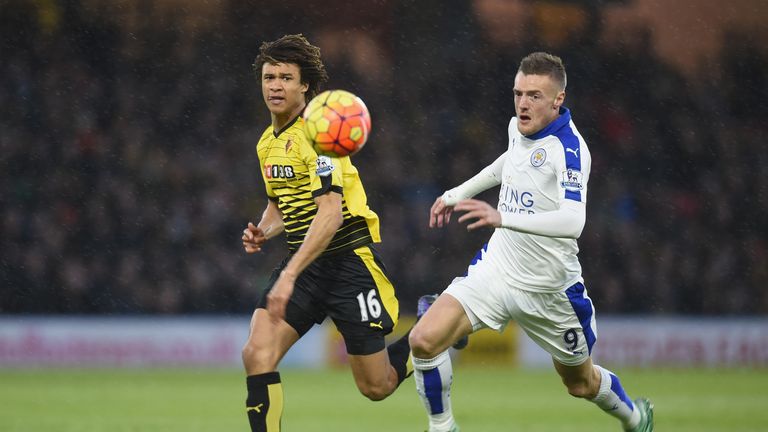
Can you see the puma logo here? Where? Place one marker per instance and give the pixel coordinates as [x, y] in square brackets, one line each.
[257, 408]
[574, 151]
[377, 325]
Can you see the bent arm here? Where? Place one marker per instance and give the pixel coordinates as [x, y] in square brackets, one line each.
[322, 229]
[271, 223]
[487, 178]
[566, 222]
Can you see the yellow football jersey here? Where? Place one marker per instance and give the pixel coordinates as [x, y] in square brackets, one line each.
[294, 175]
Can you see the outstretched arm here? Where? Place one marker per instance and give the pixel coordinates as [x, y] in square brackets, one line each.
[565, 222]
[490, 176]
[487, 178]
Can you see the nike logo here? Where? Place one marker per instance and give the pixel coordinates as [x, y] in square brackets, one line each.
[574, 151]
[377, 325]
[614, 408]
[257, 408]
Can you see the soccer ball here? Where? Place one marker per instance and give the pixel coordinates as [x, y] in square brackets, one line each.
[337, 121]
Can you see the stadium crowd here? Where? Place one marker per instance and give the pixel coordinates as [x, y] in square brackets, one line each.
[128, 166]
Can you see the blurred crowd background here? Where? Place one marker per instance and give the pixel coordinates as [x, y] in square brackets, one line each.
[128, 132]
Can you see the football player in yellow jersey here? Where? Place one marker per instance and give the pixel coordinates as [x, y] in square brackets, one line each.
[331, 269]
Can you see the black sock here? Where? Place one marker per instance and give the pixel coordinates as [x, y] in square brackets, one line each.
[265, 402]
[398, 357]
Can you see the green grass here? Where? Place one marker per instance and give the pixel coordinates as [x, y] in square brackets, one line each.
[485, 400]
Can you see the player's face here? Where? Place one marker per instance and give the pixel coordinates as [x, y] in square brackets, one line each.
[537, 102]
[282, 89]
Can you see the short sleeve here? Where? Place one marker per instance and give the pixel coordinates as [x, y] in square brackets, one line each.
[327, 175]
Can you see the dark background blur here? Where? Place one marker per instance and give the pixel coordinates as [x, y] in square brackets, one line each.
[128, 132]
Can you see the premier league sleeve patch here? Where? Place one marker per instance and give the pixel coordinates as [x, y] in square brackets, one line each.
[573, 180]
[324, 166]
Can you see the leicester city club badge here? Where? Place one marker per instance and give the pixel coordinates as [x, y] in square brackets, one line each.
[538, 157]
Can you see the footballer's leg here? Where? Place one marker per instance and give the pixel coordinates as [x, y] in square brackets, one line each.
[442, 325]
[564, 325]
[364, 308]
[604, 389]
[425, 302]
[378, 371]
[267, 343]
[375, 376]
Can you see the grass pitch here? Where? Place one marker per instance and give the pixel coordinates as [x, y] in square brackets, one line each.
[485, 400]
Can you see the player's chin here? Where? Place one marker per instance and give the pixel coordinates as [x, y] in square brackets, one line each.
[525, 129]
[278, 107]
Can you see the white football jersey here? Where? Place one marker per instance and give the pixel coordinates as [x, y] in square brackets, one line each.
[539, 173]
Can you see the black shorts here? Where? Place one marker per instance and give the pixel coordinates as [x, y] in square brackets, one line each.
[352, 289]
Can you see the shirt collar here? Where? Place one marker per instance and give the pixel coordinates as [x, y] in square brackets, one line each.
[562, 120]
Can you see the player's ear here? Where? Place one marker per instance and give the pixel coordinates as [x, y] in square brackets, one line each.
[559, 99]
[304, 88]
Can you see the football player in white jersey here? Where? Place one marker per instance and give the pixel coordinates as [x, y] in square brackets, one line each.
[528, 272]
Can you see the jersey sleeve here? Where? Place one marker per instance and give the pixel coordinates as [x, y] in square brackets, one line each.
[326, 175]
[565, 222]
[487, 178]
[572, 170]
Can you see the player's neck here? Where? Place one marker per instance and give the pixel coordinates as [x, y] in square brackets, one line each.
[280, 121]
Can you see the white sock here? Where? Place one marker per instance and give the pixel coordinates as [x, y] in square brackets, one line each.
[433, 383]
[612, 399]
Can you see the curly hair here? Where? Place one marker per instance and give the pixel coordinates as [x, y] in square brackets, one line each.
[294, 49]
[541, 63]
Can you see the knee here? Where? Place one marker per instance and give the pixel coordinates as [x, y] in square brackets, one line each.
[374, 392]
[422, 345]
[258, 357]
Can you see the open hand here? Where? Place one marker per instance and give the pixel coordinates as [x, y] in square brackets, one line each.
[440, 213]
[480, 210]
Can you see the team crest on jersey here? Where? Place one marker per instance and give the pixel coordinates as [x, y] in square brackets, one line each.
[572, 180]
[324, 166]
[538, 157]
